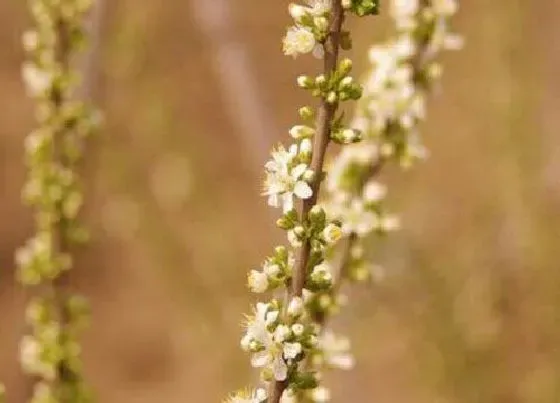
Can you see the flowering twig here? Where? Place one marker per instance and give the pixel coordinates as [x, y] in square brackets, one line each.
[51, 351]
[281, 335]
[403, 72]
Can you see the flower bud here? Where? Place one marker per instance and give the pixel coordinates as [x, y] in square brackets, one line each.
[284, 223]
[294, 240]
[332, 233]
[305, 82]
[374, 192]
[308, 175]
[321, 23]
[320, 80]
[317, 213]
[301, 132]
[298, 329]
[257, 281]
[305, 147]
[299, 231]
[280, 333]
[296, 11]
[271, 270]
[295, 307]
[306, 113]
[346, 82]
[331, 97]
[345, 66]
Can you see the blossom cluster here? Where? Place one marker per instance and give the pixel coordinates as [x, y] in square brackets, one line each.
[393, 103]
[283, 336]
[51, 351]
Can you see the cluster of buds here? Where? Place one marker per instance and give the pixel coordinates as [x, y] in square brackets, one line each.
[285, 338]
[393, 103]
[51, 351]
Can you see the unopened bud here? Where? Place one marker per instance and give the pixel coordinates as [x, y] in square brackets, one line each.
[305, 82]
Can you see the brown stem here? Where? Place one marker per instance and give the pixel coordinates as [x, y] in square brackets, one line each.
[325, 117]
[59, 285]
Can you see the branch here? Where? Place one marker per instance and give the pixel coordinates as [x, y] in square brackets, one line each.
[325, 117]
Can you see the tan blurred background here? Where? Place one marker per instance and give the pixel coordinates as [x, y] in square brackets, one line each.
[193, 95]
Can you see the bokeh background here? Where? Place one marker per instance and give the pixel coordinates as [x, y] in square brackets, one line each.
[194, 93]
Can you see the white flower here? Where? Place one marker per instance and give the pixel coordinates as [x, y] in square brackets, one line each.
[322, 271]
[269, 353]
[357, 219]
[37, 81]
[374, 192]
[298, 40]
[319, 7]
[271, 358]
[257, 325]
[332, 233]
[336, 351]
[280, 333]
[291, 350]
[258, 281]
[283, 182]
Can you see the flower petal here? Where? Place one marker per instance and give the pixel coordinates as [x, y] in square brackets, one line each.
[298, 170]
[303, 190]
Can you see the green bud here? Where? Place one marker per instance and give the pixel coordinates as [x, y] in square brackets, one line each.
[346, 83]
[346, 136]
[306, 113]
[299, 231]
[320, 80]
[321, 23]
[317, 217]
[305, 82]
[281, 253]
[305, 380]
[301, 132]
[331, 97]
[285, 222]
[345, 66]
